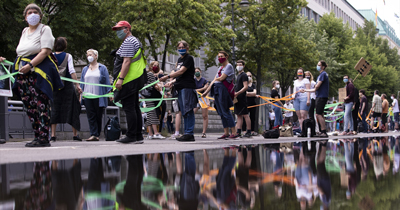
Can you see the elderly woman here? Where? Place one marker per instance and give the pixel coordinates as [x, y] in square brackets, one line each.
[95, 73]
[65, 107]
[38, 76]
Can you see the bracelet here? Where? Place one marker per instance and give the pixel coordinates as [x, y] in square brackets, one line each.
[30, 64]
[121, 78]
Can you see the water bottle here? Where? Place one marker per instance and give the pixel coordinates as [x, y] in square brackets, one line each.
[308, 132]
[309, 145]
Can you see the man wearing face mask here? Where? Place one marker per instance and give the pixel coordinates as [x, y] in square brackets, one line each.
[186, 86]
[129, 77]
[241, 105]
[348, 105]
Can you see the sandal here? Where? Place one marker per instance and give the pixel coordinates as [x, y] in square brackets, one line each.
[204, 135]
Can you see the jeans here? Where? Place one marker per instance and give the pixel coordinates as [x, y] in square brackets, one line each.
[348, 117]
[134, 119]
[278, 115]
[365, 125]
[95, 115]
[188, 118]
[170, 126]
[349, 153]
[222, 104]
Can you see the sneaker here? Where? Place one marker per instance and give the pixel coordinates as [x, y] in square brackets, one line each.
[158, 136]
[149, 137]
[223, 137]
[254, 134]
[139, 142]
[38, 144]
[234, 136]
[2, 141]
[186, 137]
[76, 138]
[126, 140]
[247, 135]
[175, 136]
[53, 139]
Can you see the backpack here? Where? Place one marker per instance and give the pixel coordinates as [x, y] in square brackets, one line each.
[271, 134]
[360, 127]
[308, 123]
[112, 130]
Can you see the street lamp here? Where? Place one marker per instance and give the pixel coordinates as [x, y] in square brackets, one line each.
[244, 4]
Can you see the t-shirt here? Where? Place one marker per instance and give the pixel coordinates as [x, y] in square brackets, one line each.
[288, 113]
[300, 84]
[229, 71]
[312, 94]
[92, 76]
[200, 83]
[129, 47]
[186, 80]
[385, 106]
[350, 93]
[251, 100]
[272, 115]
[30, 44]
[242, 77]
[395, 105]
[323, 90]
[364, 100]
[275, 93]
[378, 104]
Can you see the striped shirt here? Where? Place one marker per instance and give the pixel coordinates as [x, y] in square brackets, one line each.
[129, 47]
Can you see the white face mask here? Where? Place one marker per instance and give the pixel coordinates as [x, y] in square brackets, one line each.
[239, 68]
[277, 86]
[90, 59]
[33, 19]
[392, 98]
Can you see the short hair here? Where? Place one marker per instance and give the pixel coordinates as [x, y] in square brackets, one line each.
[384, 95]
[223, 52]
[35, 7]
[362, 91]
[241, 61]
[323, 63]
[185, 44]
[60, 44]
[95, 52]
[197, 68]
[376, 92]
[312, 77]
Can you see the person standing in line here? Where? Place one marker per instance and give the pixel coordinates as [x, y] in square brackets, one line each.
[241, 100]
[129, 76]
[356, 107]
[395, 105]
[348, 105]
[251, 94]
[222, 88]
[385, 111]
[278, 104]
[2, 141]
[95, 73]
[311, 110]
[170, 122]
[322, 93]
[376, 108]
[363, 109]
[65, 107]
[186, 86]
[288, 113]
[301, 100]
[201, 86]
[271, 119]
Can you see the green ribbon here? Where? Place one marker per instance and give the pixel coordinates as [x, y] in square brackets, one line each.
[8, 73]
[85, 83]
[6, 76]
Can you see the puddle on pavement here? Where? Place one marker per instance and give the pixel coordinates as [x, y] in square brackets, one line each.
[342, 174]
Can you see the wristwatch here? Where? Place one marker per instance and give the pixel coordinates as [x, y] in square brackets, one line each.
[121, 78]
[169, 76]
[32, 68]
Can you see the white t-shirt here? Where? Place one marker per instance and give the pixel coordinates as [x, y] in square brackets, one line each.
[288, 113]
[92, 76]
[298, 85]
[395, 105]
[312, 94]
[272, 115]
[30, 44]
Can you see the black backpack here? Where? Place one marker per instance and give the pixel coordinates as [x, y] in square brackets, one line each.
[271, 134]
[308, 123]
[112, 130]
[360, 127]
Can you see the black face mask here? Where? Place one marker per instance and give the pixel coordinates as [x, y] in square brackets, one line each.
[308, 78]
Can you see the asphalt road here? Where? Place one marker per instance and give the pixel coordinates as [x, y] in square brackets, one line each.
[16, 152]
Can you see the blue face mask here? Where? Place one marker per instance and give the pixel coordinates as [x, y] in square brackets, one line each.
[182, 51]
[121, 34]
[345, 80]
[318, 68]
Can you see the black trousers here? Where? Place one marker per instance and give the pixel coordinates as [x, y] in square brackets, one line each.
[163, 109]
[133, 116]
[252, 113]
[95, 116]
[355, 115]
[311, 112]
[132, 196]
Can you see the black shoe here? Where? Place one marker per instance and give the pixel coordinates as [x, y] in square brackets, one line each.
[76, 138]
[186, 137]
[38, 144]
[247, 135]
[126, 140]
[53, 139]
[2, 141]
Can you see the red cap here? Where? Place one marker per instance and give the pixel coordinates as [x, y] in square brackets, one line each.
[121, 24]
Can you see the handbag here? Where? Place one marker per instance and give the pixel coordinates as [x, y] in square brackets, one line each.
[286, 131]
[112, 129]
[271, 134]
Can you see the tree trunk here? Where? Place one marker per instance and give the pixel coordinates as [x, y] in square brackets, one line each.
[258, 87]
[165, 52]
[152, 48]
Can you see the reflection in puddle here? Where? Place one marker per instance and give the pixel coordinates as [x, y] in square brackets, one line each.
[340, 174]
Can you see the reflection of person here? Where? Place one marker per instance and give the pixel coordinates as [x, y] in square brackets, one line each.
[38, 76]
[242, 173]
[40, 193]
[396, 158]
[188, 181]
[323, 179]
[303, 181]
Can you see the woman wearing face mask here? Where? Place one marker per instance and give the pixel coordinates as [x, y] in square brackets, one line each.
[160, 111]
[152, 119]
[38, 76]
[95, 73]
[201, 86]
[348, 105]
[277, 109]
[222, 89]
[311, 111]
[302, 100]
[251, 94]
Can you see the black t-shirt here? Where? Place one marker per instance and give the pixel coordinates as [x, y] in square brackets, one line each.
[186, 80]
[364, 100]
[251, 100]
[275, 93]
[242, 77]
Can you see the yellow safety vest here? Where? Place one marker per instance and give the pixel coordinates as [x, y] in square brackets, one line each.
[138, 63]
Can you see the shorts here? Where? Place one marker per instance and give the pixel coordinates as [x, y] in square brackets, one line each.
[301, 104]
[384, 118]
[288, 120]
[376, 114]
[175, 106]
[240, 107]
[320, 105]
[396, 117]
[205, 101]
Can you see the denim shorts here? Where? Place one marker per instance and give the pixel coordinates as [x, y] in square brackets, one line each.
[301, 104]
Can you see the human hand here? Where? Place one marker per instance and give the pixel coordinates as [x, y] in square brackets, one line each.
[2, 59]
[302, 91]
[236, 94]
[79, 89]
[204, 94]
[119, 84]
[111, 98]
[308, 103]
[25, 69]
[168, 85]
[162, 79]
[257, 96]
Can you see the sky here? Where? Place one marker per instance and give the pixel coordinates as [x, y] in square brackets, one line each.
[385, 10]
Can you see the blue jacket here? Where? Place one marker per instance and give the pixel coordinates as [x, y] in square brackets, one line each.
[104, 79]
